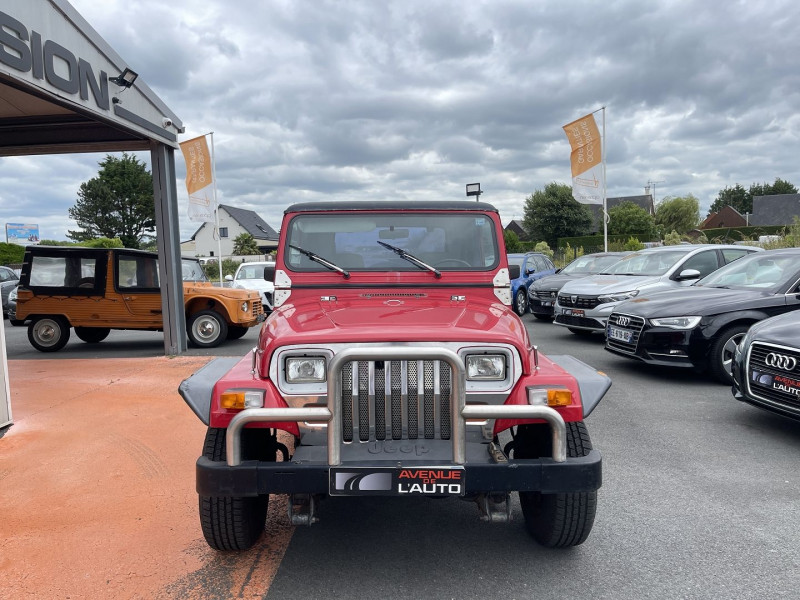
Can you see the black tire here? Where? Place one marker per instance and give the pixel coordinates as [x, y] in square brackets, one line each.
[92, 335]
[48, 334]
[236, 331]
[720, 354]
[521, 302]
[577, 331]
[17, 322]
[207, 329]
[543, 317]
[556, 520]
[233, 523]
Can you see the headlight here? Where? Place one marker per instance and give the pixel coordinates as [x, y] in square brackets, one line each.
[491, 367]
[677, 322]
[305, 369]
[618, 297]
[244, 307]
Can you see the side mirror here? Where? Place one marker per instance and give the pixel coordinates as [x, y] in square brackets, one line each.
[513, 271]
[688, 274]
[269, 273]
[228, 277]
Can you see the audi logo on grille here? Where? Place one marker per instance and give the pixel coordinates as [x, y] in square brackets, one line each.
[780, 361]
[623, 321]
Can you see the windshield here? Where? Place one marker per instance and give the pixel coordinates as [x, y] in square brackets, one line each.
[255, 271]
[760, 270]
[446, 241]
[647, 263]
[192, 271]
[589, 265]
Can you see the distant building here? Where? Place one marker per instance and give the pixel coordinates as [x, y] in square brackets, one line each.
[727, 216]
[516, 227]
[645, 201]
[779, 209]
[232, 223]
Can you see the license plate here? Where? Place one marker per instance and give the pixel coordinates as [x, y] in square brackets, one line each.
[397, 481]
[622, 335]
[575, 312]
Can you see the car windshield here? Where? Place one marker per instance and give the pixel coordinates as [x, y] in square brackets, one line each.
[647, 263]
[590, 264]
[252, 271]
[368, 241]
[760, 270]
[192, 271]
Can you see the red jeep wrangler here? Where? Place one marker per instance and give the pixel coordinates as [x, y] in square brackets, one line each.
[394, 361]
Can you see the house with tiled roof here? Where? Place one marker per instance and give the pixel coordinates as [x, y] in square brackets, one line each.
[232, 223]
[516, 227]
[727, 216]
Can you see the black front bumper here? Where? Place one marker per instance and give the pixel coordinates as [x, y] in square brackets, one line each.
[253, 478]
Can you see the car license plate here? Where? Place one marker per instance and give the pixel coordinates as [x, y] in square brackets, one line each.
[397, 481]
[575, 312]
[622, 335]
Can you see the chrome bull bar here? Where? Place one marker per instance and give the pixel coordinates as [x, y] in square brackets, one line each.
[332, 413]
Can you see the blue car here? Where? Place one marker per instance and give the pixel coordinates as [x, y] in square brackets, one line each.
[532, 266]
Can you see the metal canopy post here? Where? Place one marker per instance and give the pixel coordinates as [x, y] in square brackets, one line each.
[165, 196]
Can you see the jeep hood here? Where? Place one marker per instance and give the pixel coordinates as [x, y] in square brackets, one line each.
[375, 317]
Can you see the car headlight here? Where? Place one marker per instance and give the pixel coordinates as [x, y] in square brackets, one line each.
[677, 322]
[618, 297]
[245, 307]
[486, 367]
[305, 369]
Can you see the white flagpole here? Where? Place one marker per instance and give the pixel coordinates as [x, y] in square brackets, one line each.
[605, 212]
[216, 207]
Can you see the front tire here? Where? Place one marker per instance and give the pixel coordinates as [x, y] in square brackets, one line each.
[92, 335]
[236, 331]
[48, 334]
[233, 523]
[722, 350]
[521, 302]
[556, 520]
[207, 329]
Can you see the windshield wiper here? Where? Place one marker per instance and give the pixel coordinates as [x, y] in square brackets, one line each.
[318, 259]
[410, 258]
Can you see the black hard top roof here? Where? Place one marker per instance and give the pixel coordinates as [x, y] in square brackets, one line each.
[402, 205]
[50, 250]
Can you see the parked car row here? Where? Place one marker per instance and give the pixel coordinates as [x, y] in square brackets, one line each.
[732, 311]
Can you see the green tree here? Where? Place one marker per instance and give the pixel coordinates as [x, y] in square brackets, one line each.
[629, 218]
[118, 203]
[244, 244]
[512, 241]
[678, 213]
[553, 213]
[742, 200]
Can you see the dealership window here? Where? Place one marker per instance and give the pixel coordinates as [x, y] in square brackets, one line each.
[223, 232]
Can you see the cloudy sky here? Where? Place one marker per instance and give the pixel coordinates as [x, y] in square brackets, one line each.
[370, 100]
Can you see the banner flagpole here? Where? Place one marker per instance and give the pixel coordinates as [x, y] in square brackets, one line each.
[216, 206]
[605, 208]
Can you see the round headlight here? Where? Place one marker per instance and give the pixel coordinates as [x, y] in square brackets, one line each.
[244, 306]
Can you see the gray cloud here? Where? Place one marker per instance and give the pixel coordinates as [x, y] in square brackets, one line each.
[367, 100]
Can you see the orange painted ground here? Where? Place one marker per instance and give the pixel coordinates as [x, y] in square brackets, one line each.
[97, 492]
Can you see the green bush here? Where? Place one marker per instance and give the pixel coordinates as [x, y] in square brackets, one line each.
[11, 254]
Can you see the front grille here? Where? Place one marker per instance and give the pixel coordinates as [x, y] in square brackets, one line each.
[396, 400]
[573, 301]
[573, 321]
[257, 307]
[545, 295]
[628, 323]
[780, 386]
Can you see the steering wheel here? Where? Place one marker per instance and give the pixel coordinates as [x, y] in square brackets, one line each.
[453, 261]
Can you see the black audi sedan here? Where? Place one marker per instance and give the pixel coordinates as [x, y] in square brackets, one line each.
[701, 325]
[543, 292]
[766, 366]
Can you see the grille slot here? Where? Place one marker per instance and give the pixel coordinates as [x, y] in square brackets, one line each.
[634, 324]
[407, 400]
[761, 376]
[585, 302]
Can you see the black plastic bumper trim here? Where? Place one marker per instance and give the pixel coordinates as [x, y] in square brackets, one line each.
[253, 478]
